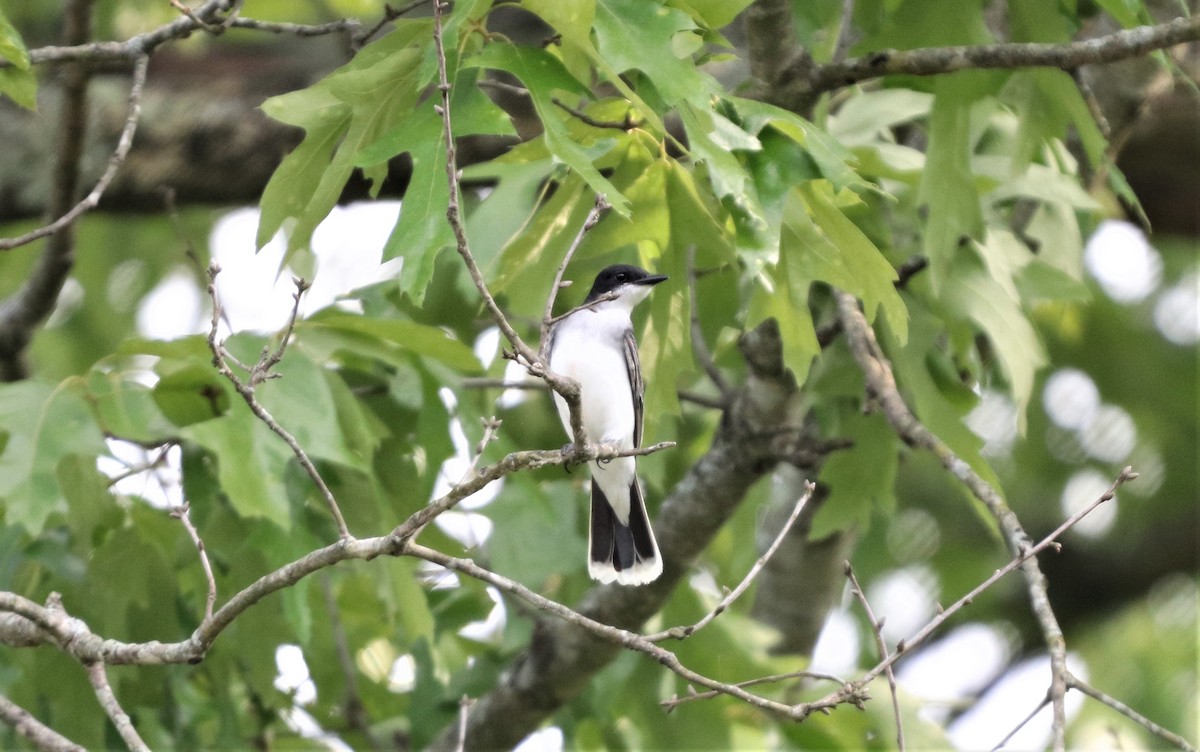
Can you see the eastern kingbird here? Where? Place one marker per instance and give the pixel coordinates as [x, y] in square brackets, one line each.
[594, 344]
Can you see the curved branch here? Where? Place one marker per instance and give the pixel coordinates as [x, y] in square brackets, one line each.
[98, 676]
[40, 735]
[930, 61]
[881, 383]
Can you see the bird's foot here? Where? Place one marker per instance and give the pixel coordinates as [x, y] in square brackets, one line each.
[568, 451]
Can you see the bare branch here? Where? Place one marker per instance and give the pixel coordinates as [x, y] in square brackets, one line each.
[675, 702]
[1024, 722]
[181, 514]
[598, 209]
[464, 706]
[98, 677]
[114, 163]
[39, 735]
[534, 363]
[260, 372]
[1121, 45]
[680, 633]
[881, 645]
[1168, 736]
[882, 384]
[453, 212]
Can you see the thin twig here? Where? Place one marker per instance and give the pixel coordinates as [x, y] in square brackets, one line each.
[488, 382]
[182, 514]
[258, 373]
[703, 400]
[598, 209]
[627, 124]
[464, 707]
[567, 388]
[845, 32]
[211, 27]
[615, 635]
[39, 735]
[882, 384]
[680, 633]
[1170, 737]
[90, 201]
[881, 645]
[453, 212]
[699, 345]
[906, 646]
[98, 677]
[675, 702]
[389, 14]
[1023, 723]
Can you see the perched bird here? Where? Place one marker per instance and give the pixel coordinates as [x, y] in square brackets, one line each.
[594, 344]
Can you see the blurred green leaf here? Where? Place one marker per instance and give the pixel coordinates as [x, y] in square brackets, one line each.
[546, 78]
[43, 424]
[191, 394]
[389, 340]
[17, 80]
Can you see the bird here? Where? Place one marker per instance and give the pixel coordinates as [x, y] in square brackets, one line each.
[594, 345]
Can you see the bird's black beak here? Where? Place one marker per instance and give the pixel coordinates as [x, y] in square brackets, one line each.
[652, 280]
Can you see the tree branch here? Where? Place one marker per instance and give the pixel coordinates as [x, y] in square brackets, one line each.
[260, 372]
[21, 313]
[680, 633]
[98, 677]
[1170, 737]
[40, 735]
[881, 645]
[882, 384]
[931, 61]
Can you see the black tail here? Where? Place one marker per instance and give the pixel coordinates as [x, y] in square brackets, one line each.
[625, 554]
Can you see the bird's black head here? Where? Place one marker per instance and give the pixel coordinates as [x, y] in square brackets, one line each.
[617, 275]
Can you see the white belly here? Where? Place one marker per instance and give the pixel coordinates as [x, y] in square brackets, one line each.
[606, 398]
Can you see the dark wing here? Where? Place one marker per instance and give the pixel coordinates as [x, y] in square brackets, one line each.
[636, 387]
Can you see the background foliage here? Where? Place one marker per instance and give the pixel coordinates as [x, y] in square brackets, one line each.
[994, 177]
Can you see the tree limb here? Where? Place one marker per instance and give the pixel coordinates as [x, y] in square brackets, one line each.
[931, 61]
[40, 735]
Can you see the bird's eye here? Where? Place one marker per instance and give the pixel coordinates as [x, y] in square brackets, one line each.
[621, 277]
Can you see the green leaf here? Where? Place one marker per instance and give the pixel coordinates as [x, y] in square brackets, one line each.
[665, 344]
[780, 294]
[842, 255]
[649, 219]
[536, 250]
[17, 80]
[42, 424]
[939, 404]
[864, 117]
[250, 463]
[638, 35]
[974, 292]
[388, 340]
[947, 185]
[20, 85]
[341, 114]
[191, 394]
[862, 478]
[833, 160]
[422, 230]
[544, 77]
[126, 408]
[715, 14]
